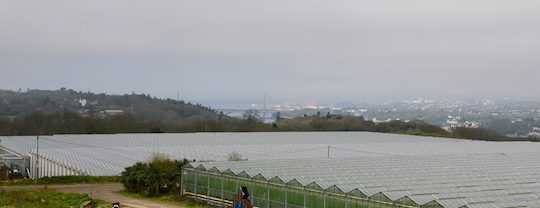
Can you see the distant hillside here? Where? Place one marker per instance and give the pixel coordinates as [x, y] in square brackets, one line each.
[356, 123]
[143, 107]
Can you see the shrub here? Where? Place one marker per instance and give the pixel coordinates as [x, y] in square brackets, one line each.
[160, 175]
[4, 172]
[235, 156]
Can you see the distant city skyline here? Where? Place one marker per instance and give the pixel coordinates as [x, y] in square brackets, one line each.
[339, 51]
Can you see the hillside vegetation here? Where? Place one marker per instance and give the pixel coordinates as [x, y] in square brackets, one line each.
[144, 107]
[72, 123]
[60, 112]
[420, 128]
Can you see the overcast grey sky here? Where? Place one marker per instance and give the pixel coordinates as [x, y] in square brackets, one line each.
[292, 50]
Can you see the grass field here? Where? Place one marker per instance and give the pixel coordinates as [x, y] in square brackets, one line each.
[45, 199]
[63, 180]
[168, 199]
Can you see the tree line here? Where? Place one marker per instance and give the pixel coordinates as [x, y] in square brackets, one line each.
[39, 123]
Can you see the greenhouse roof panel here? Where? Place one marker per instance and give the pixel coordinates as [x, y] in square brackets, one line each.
[450, 180]
[423, 168]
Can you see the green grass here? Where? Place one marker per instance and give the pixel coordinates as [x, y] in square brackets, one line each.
[63, 180]
[45, 199]
[167, 199]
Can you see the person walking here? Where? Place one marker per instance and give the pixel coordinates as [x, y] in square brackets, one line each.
[241, 199]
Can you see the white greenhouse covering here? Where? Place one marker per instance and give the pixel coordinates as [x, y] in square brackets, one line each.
[109, 154]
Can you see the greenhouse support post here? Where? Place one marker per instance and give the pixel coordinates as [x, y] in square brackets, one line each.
[196, 176]
[221, 192]
[286, 193]
[236, 185]
[268, 194]
[324, 199]
[251, 183]
[181, 181]
[207, 188]
[305, 197]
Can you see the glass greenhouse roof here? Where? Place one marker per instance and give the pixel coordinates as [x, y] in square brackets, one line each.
[453, 181]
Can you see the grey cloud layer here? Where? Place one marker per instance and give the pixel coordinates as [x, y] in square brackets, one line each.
[345, 50]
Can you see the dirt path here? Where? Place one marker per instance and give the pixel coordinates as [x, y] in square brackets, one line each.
[105, 192]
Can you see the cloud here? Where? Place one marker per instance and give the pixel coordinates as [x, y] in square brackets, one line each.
[318, 50]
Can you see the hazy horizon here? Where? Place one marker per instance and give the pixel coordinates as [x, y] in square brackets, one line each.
[303, 50]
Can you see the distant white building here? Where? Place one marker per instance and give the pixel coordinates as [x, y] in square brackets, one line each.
[113, 112]
[535, 132]
[83, 102]
[453, 122]
[471, 124]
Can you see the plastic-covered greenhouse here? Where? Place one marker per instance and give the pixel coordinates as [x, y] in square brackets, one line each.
[449, 181]
[109, 154]
[292, 168]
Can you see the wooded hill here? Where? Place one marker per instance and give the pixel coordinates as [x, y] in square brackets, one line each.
[144, 107]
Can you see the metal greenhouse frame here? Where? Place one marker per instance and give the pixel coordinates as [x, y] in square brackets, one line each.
[449, 181]
[216, 187]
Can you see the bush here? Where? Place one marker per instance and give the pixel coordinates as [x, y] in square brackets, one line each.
[235, 156]
[4, 172]
[158, 176]
[478, 134]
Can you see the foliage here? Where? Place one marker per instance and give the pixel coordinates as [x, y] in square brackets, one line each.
[144, 107]
[45, 199]
[72, 123]
[63, 180]
[173, 199]
[235, 156]
[4, 170]
[158, 176]
[355, 123]
[477, 134]
[39, 123]
[506, 126]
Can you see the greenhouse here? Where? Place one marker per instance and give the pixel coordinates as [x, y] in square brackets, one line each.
[449, 181]
[109, 154]
[308, 169]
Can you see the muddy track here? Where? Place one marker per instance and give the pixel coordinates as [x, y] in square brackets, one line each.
[107, 192]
